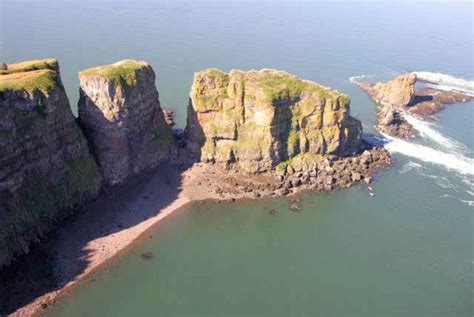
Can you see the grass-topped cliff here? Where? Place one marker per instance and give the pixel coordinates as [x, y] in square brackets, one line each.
[120, 111]
[121, 72]
[30, 76]
[46, 169]
[257, 119]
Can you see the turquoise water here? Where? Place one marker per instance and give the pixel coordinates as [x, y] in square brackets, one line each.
[408, 251]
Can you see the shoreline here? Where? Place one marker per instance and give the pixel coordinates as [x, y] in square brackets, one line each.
[90, 240]
[111, 224]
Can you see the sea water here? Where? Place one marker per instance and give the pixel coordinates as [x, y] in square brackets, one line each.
[408, 251]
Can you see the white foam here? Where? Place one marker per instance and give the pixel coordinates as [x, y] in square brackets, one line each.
[451, 161]
[356, 79]
[426, 129]
[468, 202]
[446, 82]
[411, 166]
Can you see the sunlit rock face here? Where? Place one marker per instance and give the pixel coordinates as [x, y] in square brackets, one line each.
[254, 120]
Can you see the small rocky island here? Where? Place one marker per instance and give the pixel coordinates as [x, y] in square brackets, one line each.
[249, 134]
[277, 132]
[408, 94]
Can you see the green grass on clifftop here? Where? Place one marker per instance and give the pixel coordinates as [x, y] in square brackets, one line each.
[43, 80]
[123, 71]
[26, 66]
[29, 76]
[279, 85]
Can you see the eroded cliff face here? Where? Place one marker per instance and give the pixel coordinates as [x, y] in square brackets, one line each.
[255, 120]
[120, 112]
[46, 169]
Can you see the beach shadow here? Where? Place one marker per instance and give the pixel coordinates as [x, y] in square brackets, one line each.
[50, 266]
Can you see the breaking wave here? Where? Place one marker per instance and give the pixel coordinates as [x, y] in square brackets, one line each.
[446, 152]
[447, 82]
[426, 129]
[450, 161]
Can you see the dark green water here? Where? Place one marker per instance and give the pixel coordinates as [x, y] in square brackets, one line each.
[345, 254]
[408, 251]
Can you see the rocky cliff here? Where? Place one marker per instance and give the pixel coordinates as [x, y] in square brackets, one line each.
[257, 119]
[120, 112]
[45, 166]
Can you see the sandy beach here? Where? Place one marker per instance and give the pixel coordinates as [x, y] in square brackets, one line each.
[112, 223]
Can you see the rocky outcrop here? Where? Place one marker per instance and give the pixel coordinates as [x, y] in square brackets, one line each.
[402, 95]
[398, 93]
[255, 120]
[120, 112]
[45, 167]
[393, 98]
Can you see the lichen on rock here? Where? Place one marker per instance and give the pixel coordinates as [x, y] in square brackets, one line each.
[254, 120]
[46, 169]
[120, 112]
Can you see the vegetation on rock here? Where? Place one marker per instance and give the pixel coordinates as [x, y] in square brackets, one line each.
[121, 72]
[29, 76]
[258, 119]
[46, 170]
[123, 120]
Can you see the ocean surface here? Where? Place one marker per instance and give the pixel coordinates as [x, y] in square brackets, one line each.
[408, 251]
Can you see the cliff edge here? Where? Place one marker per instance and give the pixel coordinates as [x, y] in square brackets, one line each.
[45, 166]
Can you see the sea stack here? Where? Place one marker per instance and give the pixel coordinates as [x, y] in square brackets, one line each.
[119, 110]
[252, 121]
[45, 167]
[412, 95]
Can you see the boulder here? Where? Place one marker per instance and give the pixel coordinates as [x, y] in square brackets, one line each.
[120, 112]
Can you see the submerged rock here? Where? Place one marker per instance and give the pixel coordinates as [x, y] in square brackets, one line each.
[120, 112]
[45, 166]
[254, 120]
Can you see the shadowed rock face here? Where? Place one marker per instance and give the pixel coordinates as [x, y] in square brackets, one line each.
[45, 166]
[120, 112]
[255, 120]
